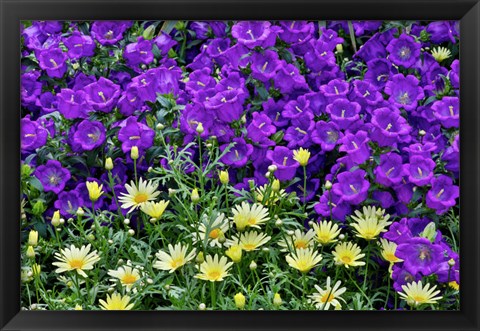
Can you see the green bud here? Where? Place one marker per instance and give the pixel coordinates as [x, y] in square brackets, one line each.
[430, 232]
[26, 170]
[149, 32]
[38, 208]
[277, 137]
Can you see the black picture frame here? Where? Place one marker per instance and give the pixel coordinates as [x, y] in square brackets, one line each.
[13, 11]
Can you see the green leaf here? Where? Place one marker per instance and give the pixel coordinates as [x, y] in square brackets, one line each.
[168, 26]
[36, 183]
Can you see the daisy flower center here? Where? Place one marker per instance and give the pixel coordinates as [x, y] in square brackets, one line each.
[129, 279]
[177, 263]
[76, 264]
[346, 259]
[249, 247]
[214, 275]
[141, 197]
[327, 297]
[214, 233]
[301, 244]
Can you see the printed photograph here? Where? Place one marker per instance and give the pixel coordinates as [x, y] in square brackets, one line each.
[240, 165]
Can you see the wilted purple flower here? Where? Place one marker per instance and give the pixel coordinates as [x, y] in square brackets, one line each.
[109, 32]
[52, 176]
[68, 203]
[238, 155]
[79, 45]
[72, 104]
[404, 91]
[420, 170]
[356, 146]
[352, 186]
[53, 60]
[420, 255]
[134, 133]
[390, 170]
[389, 127]
[89, 135]
[344, 113]
[102, 95]
[138, 52]
[442, 195]
[282, 157]
[404, 51]
[326, 134]
[252, 34]
[33, 135]
[447, 111]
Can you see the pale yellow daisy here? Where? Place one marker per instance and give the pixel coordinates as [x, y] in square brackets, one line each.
[273, 197]
[298, 240]
[246, 215]
[441, 53]
[370, 223]
[348, 254]
[138, 195]
[326, 232]
[304, 259]
[154, 209]
[214, 269]
[415, 294]
[127, 275]
[328, 296]
[78, 259]
[215, 230]
[116, 302]
[249, 241]
[177, 258]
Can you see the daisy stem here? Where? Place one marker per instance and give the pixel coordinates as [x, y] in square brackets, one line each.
[135, 171]
[213, 294]
[200, 170]
[304, 188]
[388, 293]
[239, 274]
[304, 284]
[358, 287]
[366, 267]
[111, 184]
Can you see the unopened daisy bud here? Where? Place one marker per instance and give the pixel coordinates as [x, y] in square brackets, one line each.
[126, 221]
[143, 66]
[170, 161]
[78, 307]
[30, 273]
[276, 185]
[70, 220]
[110, 241]
[224, 177]
[277, 300]
[221, 237]
[451, 262]
[202, 306]
[339, 48]
[200, 128]
[150, 169]
[58, 229]
[328, 185]
[91, 237]
[56, 218]
[80, 212]
[195, 197]
[75, 66]
[272, 168]
[422, 133]
[234, 253]
[62, 221]
[278, 223]
[310, 223]
[69, 283]
[253, 265]
[30, 252]
[200, 258]
[33, 238]
[290, 232]
[266, 249]
[268, 174]
[108, 164]
[171, 192]
[243, 119]
[149, 281]
[149, 32]
[121, 262]
[36, 269]
[209, 145]
[239, 300]
[160, 126]
[167, 287]
[341, 236]
[131, 232]
[134, 153]
[251, 184]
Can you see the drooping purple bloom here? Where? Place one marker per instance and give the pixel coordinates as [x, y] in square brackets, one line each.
[389, 127]
[238, 155]
[404, 51]
[102, 95]
[420, 170]
[296, 31]
[134, 133]
[424, 150]
[352, 186]
[164, 43]
[282, 157]
[52, 176]
[442, 195]
[379, 72]
[89, 135]
[47, 101]
[296, 108]
[390, 170]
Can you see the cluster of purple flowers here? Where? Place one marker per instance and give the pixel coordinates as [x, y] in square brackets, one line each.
[381, 124]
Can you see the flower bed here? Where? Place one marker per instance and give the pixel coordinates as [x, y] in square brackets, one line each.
[240, 165]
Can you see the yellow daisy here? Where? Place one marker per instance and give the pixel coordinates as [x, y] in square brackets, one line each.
[370, 223]
[234, 252]
[116, 302]
[416, 294]
[127, 275]
[249, 215]
[273, 197]
[177, 258]
[348, 254]
[215, 230]
[388, 251]
[137, 196]
[249, 241]
[326, 232]
[301, 156]
[78, 259]
[304, 259]
[154, 209]
[328, 296]
[214, 269]
[441, 53]
[299, 240]
[94, 190]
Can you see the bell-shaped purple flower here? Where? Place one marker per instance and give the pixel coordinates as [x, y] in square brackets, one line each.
[238, 155]
[333, 206]
[404, 92]
[420, 255]
[389, 127]
[335, 89]
[424, 150]
[33, 135]
[30, 87]
[68, 203]
[265, 66]
[260, 128]
[447, 111]
[79, 45]
[326, 134]
[109, 32]
[298, 134]
[227, 105]
[89, 135]
[379, 72]
[356, 146]
[53, 61]
[252, 34]
[296, 31]
[139, 52]
[404, 51]
[72, 104]
[296, 108]
[282, 157]
[102, 95]
[390, 171]
[52, 176]
[442, 195]
[344, 113]
[134, 133]
[352, 186]
[452, 156]
[420, 170]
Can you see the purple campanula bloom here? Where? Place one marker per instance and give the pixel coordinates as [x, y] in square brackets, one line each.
[227, 105]
[192, 116]
[47, 101]
[352, 186]
[331, 205]
[253, 34]
[384, 198]
[379, 72]
[452, 156]
[52, 176]
[404, 51]
[424, 150]
[442, 195]
[296, 108]
[68, 203]
[366, 94]
[139, 52]
[420, 170]
[318, 102]
[330, 37]
[326, 134]
[31, 88]
[454, 74]
[344, 113]
[72, 104]
[102, 95]
[335, 89]
[238, 155]
[312, 188]
[404, 92]
[298, 134]
[401, 276]
[274, 110]
[200, 80]
[288, 79]
[389, 127]
[134, 133]
[420, 255]
[282, 157]
[296, 31]
[129, 101]
[53, 61]
[372, 49]
[264, 66]
[33, 135]
[390, 171]
[109, 32]
[81, 80]
[441, 31]
[164, 43]
[356, 146]
[89, 135]
[79, 45]
[434, 135]
[260, 128]
[447, 111]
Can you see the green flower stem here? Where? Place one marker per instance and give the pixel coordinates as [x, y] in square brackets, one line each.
[359, 288]
[304, 205]
[332, 286]
[213, 294]
[111, 185]
[366, 266]
[135, 171]
[388, 292]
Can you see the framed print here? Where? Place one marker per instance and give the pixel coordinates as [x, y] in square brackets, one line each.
[239, 165]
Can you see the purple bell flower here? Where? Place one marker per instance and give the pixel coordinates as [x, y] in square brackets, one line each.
[442, 195]
[420, 255]
[139, 52]
[352, 186]
[264, 66]
[389, 127]
[89, 135]
[344, 113]
[52, 176]
[31, 88]
[227, 105]
[282, 157]
[298, 134]
[79, 45]
[134, 133]
[252, 34]
[327, 135]
[72, 104]
[109, 32]
[53, 61]
[404, 91]
[420, 170]
[356, 146]
[33, 135]
[68, 203]
[260, 128]
[238, 155]
[390, 171]
[404, 51]
[102, 95]
[447, 111]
